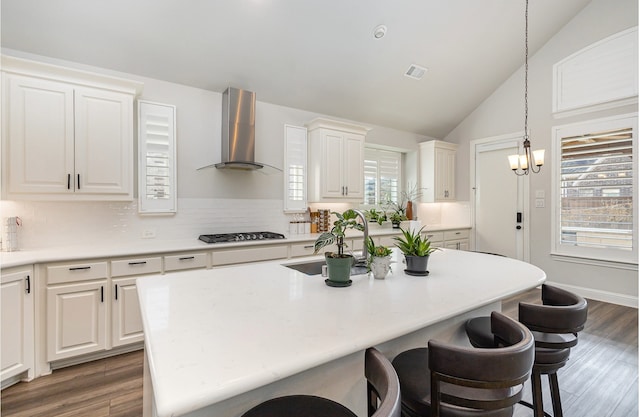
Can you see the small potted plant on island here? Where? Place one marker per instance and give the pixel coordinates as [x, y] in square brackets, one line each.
[416, 250]
[338, 264]
[379, 261]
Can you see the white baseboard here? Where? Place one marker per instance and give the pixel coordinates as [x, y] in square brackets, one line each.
[600, 295]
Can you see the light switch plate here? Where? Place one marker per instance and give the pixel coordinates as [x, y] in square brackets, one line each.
[539, 194]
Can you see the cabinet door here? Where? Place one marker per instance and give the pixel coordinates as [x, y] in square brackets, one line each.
[16, 308]
[444, 174]
[353, 171]
[332, 157]
[103, 142]
[39, 117]
[76, 319]
[126, 321]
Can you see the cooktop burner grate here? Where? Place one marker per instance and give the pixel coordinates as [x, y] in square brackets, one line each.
[240, 237]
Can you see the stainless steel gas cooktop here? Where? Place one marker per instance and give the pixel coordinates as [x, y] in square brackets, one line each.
[240, 237]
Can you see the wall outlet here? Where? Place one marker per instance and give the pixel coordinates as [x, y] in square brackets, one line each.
[539, 202]
[148, 234]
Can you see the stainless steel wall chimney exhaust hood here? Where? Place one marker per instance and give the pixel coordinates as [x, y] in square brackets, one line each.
[238, 130]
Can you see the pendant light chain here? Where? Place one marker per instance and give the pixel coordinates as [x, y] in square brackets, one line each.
[526, 71]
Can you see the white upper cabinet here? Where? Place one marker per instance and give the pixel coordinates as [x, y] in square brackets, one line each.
[336, 161]
[62, 139]
[437, 171]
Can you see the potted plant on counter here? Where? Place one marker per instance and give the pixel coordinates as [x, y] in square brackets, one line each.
[379, 261]
[397, 217]
[338, 264]
[416, 250]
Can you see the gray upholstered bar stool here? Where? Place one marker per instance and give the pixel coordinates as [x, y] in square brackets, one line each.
[445, 380]
[383, 396]
[555, 325]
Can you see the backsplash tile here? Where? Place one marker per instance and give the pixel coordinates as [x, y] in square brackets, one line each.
[49, 224]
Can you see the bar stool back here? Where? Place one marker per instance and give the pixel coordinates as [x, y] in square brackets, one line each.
[447, 380]
[383, 396]
[555, 325]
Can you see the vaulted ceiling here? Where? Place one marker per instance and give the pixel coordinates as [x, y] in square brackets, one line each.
[319, 56]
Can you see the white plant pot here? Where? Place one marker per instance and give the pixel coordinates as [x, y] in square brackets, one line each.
[380, 266]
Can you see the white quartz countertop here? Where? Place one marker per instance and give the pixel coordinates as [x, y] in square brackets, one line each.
[151, 246]
[213, 334]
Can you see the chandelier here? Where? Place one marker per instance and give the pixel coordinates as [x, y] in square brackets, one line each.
[529, 161]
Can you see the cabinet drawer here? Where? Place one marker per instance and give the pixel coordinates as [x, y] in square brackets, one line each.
[185, 261]
[456, 234]
[306, 249]
[302, 249]
[76, 272]
[237, 256]
[434, 236]
[136, 266]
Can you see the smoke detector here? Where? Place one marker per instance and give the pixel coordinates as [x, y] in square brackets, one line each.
[379, 31]
[415, 71]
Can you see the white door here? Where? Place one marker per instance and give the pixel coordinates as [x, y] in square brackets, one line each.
[499, 197]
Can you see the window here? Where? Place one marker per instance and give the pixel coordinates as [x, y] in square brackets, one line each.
[382, 176]
[597, 212]
[295, 169]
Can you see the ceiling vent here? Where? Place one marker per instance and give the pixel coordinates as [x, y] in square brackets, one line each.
[416, 72]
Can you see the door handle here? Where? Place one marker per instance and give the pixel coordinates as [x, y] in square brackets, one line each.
[518, 220]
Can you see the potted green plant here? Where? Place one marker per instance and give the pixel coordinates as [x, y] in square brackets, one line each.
[379, 261]
[338, 264]
[374, 215]
[397, 217]
[416, 250]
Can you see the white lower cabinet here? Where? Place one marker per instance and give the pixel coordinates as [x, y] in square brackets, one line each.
[17, 331]
[456, 239]
[126, 321]
[76, 319]
[90, 310]
[436, 238]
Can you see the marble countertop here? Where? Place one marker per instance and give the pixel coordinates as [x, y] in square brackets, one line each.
[151, 246]
[214, 334]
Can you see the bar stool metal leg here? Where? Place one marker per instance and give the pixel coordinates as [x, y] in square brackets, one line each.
[555, 394]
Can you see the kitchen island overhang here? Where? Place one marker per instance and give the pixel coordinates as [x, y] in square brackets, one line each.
[224, 339]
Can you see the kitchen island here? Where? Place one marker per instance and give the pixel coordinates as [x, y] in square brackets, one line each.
[219, 341]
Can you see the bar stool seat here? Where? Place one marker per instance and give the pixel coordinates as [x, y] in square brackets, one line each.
[299, 405]
[383, 396]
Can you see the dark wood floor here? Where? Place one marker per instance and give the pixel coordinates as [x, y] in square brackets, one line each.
[601, 379]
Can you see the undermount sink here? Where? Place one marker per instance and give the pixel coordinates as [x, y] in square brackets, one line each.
[315, 268]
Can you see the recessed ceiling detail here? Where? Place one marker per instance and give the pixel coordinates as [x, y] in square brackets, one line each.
[416, 72]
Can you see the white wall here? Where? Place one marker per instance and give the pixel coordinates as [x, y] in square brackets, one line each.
[206, 198]
[503, 112]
